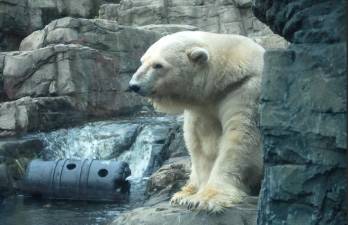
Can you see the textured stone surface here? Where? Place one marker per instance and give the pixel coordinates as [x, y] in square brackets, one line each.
[222, 16]
[13, 23]
[304, 116]
[91, 61]
[93, 80]
[127, 43]
[163, 214]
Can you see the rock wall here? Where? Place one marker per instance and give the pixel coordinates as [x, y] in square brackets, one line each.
[304, 114]
[86, 62]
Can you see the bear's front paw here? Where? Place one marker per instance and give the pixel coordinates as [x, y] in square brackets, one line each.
[213, 200]
[186, 191]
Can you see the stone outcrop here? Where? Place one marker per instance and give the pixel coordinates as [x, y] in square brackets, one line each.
[222, 16]
[304, 114]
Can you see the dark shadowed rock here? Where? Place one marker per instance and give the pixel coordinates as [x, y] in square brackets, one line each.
[303, 118]
[13, 148]
[21, 17]
[304, 114]
[5, 181]
[304, 21]
[14, 157]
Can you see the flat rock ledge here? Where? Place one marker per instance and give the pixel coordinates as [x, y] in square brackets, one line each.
[164, 214]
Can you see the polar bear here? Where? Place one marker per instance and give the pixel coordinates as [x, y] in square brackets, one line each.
[214, 79]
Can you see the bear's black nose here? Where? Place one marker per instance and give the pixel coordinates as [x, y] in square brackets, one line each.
[134, 88]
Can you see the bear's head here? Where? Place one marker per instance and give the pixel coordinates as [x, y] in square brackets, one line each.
[168, 72]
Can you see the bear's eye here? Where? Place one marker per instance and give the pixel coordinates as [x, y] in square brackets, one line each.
[157, 66]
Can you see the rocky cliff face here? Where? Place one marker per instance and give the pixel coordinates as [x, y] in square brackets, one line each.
[303, 114]
[72, 69]
[87, 63]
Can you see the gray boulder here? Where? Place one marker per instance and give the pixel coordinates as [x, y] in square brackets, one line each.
[164, 214]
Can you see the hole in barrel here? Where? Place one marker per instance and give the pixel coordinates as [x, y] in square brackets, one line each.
[102, 172]
[71, 166]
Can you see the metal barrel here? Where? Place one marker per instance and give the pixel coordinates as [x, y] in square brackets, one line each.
[98, 180]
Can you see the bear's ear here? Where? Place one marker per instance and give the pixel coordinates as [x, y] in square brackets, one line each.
[198, 55]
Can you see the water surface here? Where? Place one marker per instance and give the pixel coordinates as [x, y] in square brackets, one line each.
[138, 141]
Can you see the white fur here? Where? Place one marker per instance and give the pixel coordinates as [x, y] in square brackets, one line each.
[218, 94]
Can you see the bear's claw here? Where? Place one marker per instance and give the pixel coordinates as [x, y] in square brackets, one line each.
[211, 200]
[186, 191]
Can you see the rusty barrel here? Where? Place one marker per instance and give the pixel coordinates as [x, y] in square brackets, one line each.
[96, 180]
